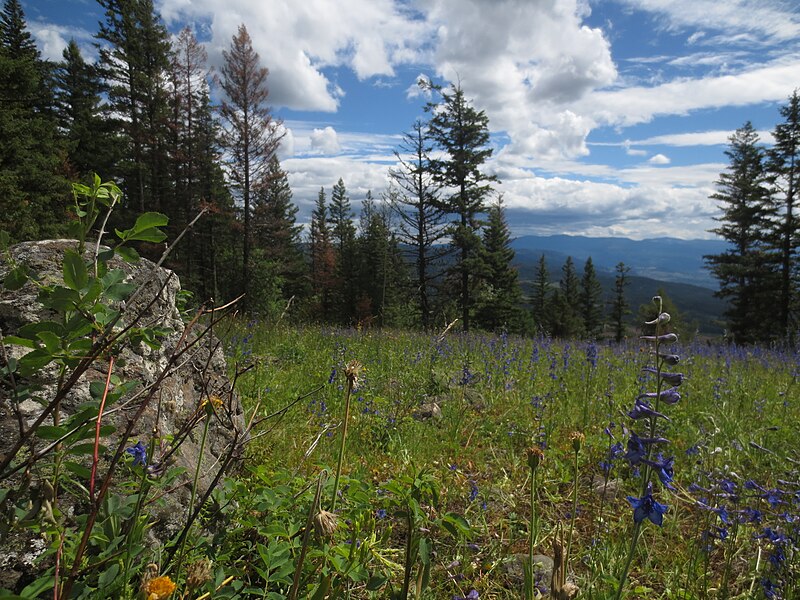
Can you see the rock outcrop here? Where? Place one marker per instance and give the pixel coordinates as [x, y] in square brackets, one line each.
[174, 412]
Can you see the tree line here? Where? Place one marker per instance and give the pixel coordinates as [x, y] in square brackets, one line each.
[434, 247]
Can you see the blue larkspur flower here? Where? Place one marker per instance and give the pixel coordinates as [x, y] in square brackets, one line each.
[647, 507]
[643, 410]
[139, 453]
[663, 469]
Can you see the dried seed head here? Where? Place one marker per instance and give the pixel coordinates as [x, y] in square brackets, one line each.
[535, 456]
[577, 439]
[353, 371]
[325, 523]
[198, 573]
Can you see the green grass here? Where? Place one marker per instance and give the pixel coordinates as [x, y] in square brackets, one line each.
[498, 396]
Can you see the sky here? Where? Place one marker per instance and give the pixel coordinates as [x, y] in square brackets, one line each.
[607, 117]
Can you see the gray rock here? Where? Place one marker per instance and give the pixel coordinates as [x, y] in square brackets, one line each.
[174, 409]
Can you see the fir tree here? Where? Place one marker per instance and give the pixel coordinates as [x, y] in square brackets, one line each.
[744, 271]
[134, 63]
[33, 191]
[591, 303]
[91, 144]
[540, 295]
[323, 259]
[421, 225]
[565, 315]
[343, 236]
[499, 306]
[783, 165]
[462, 133]
[250, 134]
[619, 303]
[275, 231]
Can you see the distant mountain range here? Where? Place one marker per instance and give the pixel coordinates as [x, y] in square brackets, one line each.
[673, 265]
[664, 259]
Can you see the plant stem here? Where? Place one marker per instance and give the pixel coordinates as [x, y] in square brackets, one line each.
[574, 512]
[636, 531]
[348, 394]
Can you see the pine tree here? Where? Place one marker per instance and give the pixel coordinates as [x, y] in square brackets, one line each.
[134, 64]
[462, 133]
[745, 271]
[783, 165]
[421, 226]
[540, 295]
[499, 305]
[91, 144]
[591, 303]
[250, 133]
[33, 191]
[619, 303]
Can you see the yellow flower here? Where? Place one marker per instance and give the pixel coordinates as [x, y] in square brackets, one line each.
[159, 588]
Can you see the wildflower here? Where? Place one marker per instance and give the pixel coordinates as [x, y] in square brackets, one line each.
[647, 507]
[473, 492]
[139, 453]
[472, 595]
[159, 588]
[642, 410]
[673, 379]
[380, 513]
[659, 320]
[670, 396]
[664, 470]
[637, 448]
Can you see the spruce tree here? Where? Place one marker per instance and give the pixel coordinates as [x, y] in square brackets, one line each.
[499, 304]
[591, 300]
[461, 133]
[745, 271]
[565, 316]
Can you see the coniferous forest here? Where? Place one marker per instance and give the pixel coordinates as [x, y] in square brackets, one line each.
[431, 247]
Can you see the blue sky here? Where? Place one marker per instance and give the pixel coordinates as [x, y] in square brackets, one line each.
[608, 117]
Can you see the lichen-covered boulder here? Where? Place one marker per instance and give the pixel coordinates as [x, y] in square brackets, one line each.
[180, 378]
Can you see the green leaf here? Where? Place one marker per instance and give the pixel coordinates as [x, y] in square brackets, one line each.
[51, 341]
[61, 299]
[108, 576]
[33, 361]
[37, 587]
[31, 330]
[456, 524]
[16, 278]
[18, 341]
[50, 432]
[78, 469]
[5, 240]
[87, 449]
[120, 291]
[145, 228]
[75, 274]
[376, 582]
[128, 254]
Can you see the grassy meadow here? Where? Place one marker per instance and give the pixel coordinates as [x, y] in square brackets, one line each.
[441, 434]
